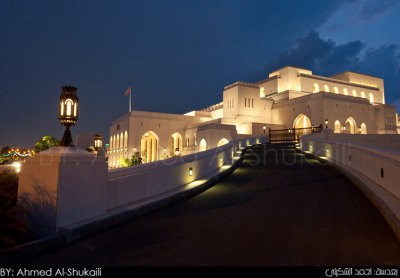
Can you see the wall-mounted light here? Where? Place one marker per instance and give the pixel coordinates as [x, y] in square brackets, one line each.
[326, 123]
[344, 128]
[264, 128]
[221, 160]
[146, 134]
[190, 171]
[176, 151]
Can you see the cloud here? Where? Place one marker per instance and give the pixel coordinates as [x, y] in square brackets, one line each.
[325, 57]
[372, 10]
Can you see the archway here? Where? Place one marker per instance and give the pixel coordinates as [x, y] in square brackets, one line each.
[223, 141]
[338, 127]
[176, 144]
[149, 147]
[326, 88]
[302, 121]
[202, 145]
[363, 129]
[350, 125]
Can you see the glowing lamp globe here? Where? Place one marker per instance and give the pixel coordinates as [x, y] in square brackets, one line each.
[68, 112]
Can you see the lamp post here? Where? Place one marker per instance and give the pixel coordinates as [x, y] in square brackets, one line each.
[68, 112]
[326, 123]
[98, 143]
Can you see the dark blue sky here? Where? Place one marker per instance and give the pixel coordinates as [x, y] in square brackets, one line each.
[176, 55]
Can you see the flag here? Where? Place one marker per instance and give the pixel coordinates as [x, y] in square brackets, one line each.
[127, 92]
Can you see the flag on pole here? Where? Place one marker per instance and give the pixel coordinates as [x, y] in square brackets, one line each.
[127, 92]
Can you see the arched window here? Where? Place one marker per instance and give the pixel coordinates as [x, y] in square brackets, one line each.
[126, 139]
[176, 144]
[354, 92]
[223, 141]
[114, 140]
[371, 98]
[117, 145]
[121, 145]
[262, 92]
[338, 127]
[363, 129]
[75, 108]
[111, 143]
[345, 92]
[187, 141]
[149, 147]
[363, 94]
[202, 145]
[302, 121]
[350, 125]
[326, 88]
[335, 90]
[195, 137]
[315, 88]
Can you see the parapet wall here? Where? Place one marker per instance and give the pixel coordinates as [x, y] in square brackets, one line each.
[364, 158]
[137, 183]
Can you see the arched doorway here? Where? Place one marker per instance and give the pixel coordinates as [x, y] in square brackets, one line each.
[176, 144]
[149, 147]
[338, 127]
[202, 145]
[302, 121]
[350, 126]
[223, 141]
[363, 129]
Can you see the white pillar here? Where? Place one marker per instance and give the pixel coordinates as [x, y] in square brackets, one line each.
[62, 186]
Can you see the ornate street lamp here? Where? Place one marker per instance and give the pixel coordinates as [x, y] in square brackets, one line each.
[98, 143]
[68, 112]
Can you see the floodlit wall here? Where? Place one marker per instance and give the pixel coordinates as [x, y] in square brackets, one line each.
[141, 182]
[374, 160]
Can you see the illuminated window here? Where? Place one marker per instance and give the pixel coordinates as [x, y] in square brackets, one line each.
[126, 139]
[335, 90]
[326, 88]
[338, 127]
[262, 92]
[371, 98]
[363, 129]
[345, 92]
[363, 94]
[315, 88]
[354, 92]
[75, 108]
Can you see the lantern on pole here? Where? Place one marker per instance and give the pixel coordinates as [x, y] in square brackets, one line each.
[68, 112]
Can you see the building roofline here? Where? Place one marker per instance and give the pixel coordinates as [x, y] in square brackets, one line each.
[357, 73]
[289, 66]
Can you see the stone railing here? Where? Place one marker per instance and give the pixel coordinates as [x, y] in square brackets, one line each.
[375, 169]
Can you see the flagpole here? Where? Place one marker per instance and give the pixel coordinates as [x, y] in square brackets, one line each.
[130, 93]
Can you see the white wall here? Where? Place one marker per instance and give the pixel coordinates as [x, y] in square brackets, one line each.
[363, 157]
[132, 184]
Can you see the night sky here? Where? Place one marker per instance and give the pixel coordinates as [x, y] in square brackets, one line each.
[176, 55]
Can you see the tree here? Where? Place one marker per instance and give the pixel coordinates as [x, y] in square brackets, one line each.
[46, 143]
[135, 160]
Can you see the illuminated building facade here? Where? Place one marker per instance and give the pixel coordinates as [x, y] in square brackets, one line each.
[290, 97]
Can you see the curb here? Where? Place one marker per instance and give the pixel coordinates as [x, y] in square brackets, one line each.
[19, 253]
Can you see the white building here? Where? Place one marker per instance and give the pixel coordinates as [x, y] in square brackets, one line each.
[289, 98]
